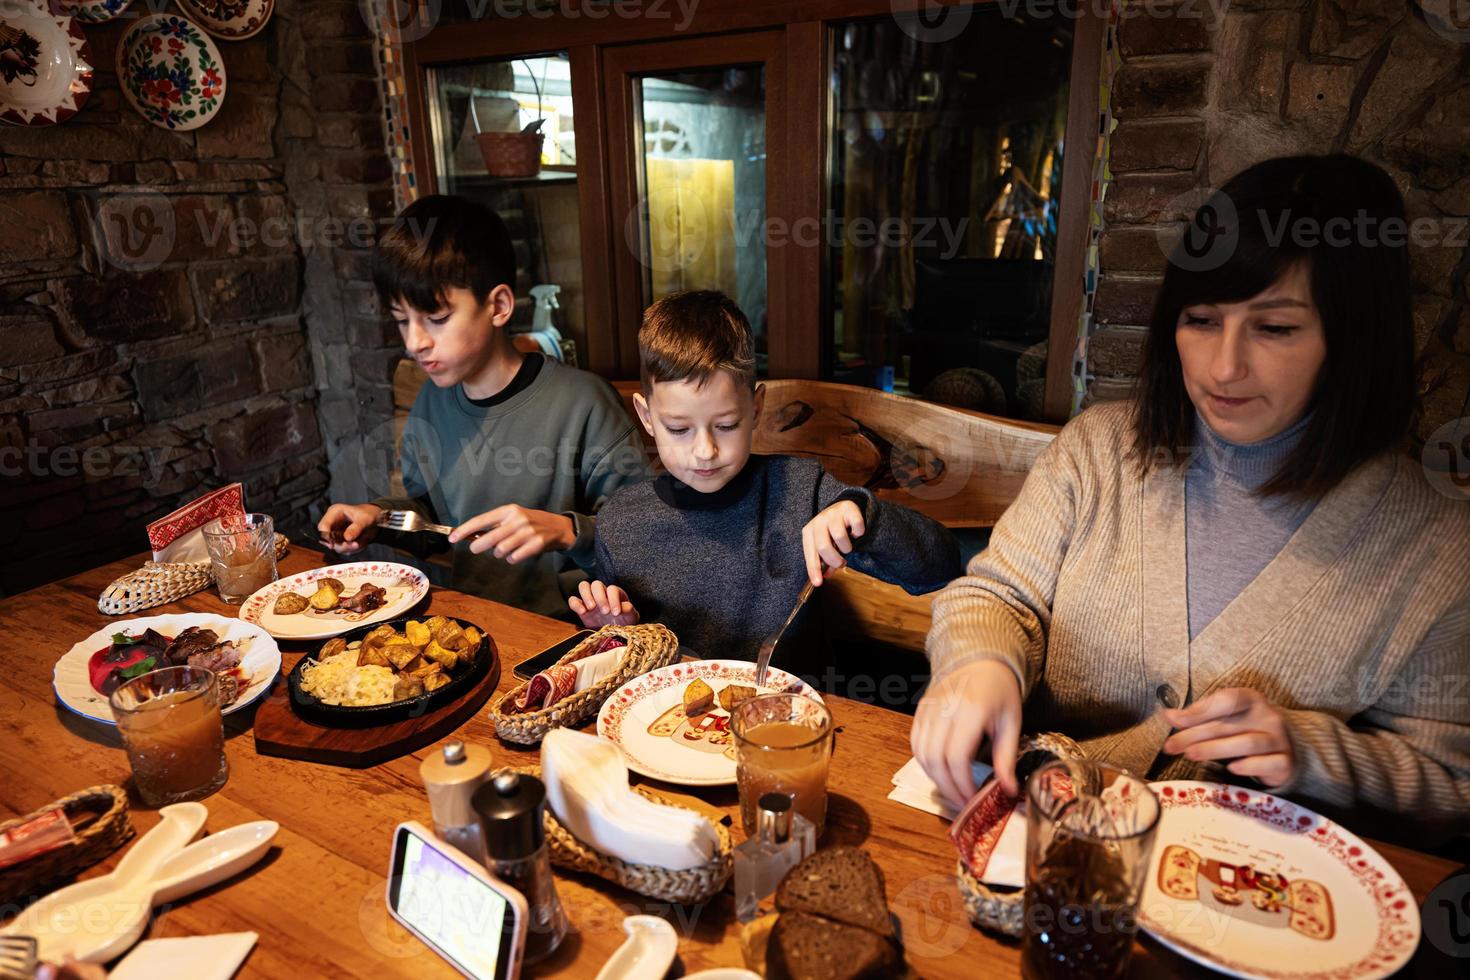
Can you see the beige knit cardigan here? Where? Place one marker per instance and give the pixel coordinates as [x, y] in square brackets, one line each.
[1360, 627]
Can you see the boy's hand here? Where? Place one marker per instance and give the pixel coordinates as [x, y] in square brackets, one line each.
[828, 536]
[346, 528]
[601, 605]
[516, 533]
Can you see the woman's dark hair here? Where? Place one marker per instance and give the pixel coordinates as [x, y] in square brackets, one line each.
[439, 242]
[1342, 219]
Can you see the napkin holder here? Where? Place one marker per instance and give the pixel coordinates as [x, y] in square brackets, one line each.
[100, 815]
[691, 887]
[650, 646]
[992, 907]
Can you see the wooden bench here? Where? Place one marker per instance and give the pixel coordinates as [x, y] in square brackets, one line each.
[959, 467]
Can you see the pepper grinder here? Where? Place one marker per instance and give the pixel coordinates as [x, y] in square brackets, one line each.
[451, 778]
[510, 806]
[782, 840]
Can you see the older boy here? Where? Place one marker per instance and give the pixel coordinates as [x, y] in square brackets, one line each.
[719, 547]
[517, 451]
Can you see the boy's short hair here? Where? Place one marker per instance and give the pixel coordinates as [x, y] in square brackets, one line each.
[440, 242]
[689, 336]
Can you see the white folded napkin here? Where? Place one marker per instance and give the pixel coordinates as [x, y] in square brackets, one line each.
[587, 788]
[178, 538]
[195, 957]
[913, 787]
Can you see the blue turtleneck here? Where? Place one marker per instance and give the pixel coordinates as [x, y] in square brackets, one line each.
[1230, 533]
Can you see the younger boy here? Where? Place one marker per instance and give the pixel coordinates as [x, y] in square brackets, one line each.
[517, 451]
[719, 548]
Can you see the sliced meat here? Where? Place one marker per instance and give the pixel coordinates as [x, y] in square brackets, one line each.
[367, 598]
[188, 643]
[219, 658]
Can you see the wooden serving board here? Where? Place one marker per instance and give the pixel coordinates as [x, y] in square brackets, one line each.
[280, 731]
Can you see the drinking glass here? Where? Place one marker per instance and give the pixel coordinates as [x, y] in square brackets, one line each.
[783, 744]
[1089, 833]
[174, 734]
[242, 549]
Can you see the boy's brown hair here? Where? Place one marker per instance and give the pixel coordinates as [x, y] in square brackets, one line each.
[689, 336]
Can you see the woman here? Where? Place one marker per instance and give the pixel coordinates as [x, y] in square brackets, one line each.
[1239, 573]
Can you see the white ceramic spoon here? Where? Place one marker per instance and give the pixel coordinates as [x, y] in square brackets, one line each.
[646, 954]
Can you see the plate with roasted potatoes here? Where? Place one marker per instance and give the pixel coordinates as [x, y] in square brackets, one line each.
[326, 602]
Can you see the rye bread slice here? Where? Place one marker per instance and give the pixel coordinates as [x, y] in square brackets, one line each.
[839, 883]
[810, 947]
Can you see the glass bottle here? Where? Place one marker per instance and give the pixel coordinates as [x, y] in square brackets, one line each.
[783, 838]
[510, 806]
[451, 778]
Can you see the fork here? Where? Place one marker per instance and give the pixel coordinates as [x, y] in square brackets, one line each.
[17, 957]
[408, 521]
[768, 645]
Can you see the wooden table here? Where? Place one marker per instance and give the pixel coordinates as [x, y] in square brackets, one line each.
[317, 898]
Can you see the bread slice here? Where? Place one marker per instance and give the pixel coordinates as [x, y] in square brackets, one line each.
[839, 883]
[810, 947]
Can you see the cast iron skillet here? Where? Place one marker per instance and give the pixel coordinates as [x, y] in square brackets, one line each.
[344, 716]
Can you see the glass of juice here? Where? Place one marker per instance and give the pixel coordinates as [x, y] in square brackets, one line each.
[242, 549]
[783, 744]
[1089, 833]
[174, 734]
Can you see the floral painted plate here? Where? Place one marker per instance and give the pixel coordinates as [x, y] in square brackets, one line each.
[230, 20]
[1256, 886]
[646, 719]
[260, 660]
[45, 65]
[405, 585]
[94, 11]
[170, 71]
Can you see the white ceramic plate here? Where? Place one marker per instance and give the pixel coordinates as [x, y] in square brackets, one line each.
[170, 71]
[260, 660]
[94, 11]
[230, 20]
[645, 717]
[406, 585]
[45, 65]
[1256, 886]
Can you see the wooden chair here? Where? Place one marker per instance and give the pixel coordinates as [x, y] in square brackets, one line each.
[959, 467]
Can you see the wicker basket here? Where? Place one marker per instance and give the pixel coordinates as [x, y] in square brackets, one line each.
[101, 813]
[999, 908]
[690, 887]
[511, 154]
[157, 583]
[650, 646]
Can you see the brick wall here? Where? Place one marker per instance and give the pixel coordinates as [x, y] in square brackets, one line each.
[182, 310]
[1199, 98]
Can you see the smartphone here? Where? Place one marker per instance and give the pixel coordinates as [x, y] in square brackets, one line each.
[475, 921]
[532, 666]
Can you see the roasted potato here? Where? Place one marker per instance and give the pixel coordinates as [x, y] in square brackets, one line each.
[424, 668]
[434, 622]
[407, 687]
[734, 695]
[335, 583]
[435, 680]
[472, 638]
[373, 657]
[449, 636]
[441, 655]
[399, 653]
[324, 599]
[332, 647]
[289, 604]
[418, 634]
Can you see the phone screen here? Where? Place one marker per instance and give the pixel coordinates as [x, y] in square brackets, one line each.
[458, 913]
[532, 666]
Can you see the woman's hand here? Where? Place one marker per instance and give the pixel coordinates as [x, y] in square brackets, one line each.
[346, 528]
[957, 711]
[829, 535]
[516, 533]
[600, 605]
[1239, 724]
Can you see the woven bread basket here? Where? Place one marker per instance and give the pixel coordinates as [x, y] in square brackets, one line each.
[511, 154]
[157, 583]
[650, 646]
[101, 813]
[689, 887]
[999, 909]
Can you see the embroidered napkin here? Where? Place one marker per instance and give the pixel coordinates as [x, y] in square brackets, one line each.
[560, 680]
[179, 538]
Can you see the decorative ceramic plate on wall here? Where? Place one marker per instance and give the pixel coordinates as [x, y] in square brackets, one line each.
[170, 71]
[230, 20]
[94, 11]
[45, 65]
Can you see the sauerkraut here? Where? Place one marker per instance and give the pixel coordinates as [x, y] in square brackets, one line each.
[339, 680]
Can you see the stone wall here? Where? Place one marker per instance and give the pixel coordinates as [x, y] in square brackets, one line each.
[1202, 95]
[183, 310]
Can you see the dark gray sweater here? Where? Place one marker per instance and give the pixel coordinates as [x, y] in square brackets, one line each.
[723, 570]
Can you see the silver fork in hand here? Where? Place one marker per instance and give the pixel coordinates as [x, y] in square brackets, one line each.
[408, 521]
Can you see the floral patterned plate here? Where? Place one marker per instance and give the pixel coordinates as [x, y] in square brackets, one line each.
[645, 718]
[45, 65]
[94, 11]
[230, 20]
[170, 71]
[1256, 886]
[406, 585]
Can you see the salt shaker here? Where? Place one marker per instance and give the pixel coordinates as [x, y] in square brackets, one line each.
[451, 777]
[783, 838]
[510, 806]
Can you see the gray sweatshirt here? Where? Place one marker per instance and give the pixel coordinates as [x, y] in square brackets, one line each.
[564, 444]
[722, 570]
